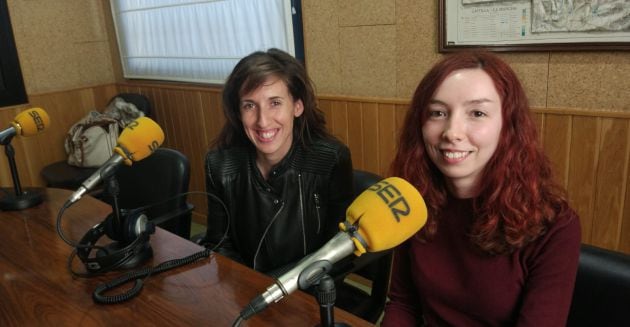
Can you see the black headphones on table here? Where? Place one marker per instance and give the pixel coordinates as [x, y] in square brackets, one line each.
[130, 250]
[131, 246]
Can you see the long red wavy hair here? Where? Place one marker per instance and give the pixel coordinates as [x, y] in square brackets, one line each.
[517, 197]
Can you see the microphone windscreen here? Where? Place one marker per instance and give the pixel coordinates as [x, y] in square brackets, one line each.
[385, 215]
[31, 121]
[139, 139]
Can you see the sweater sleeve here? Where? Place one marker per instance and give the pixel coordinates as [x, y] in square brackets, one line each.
[552, 268]
[403, 308]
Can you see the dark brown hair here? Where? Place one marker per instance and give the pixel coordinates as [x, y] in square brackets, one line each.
[249, 74]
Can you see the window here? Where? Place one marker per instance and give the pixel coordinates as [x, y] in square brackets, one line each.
[201, 41]
[11, 83]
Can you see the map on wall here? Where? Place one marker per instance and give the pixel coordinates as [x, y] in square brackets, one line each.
[580, 15]
[534, 22]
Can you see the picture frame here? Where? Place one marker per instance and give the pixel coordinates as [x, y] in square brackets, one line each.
[12, 91]
[512, 25]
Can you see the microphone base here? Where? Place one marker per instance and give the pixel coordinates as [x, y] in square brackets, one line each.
[137, 260]
[29, 198]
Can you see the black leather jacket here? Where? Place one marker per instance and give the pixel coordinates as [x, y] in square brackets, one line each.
[276, 222]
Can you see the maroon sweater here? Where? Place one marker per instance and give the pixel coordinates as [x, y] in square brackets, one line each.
[447, 282]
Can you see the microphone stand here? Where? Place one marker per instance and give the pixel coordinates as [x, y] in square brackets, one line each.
[326, 296]
[22, 199]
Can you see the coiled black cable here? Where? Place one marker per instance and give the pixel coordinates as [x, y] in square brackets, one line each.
[136, 276]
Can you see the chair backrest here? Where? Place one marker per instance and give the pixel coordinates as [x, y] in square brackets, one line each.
[140, 101]
[373, 267]
[602, 289]
[162, 175]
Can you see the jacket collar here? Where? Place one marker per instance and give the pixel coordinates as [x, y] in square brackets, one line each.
[278, 169]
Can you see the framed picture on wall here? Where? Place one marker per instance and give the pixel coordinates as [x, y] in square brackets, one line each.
[534, 25]
[12, 90]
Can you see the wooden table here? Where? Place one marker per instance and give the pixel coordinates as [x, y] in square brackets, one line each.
[38, 290]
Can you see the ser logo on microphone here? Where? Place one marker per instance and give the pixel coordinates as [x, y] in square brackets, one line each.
[39, 122]
[392, 197]
[153, 145]
[132, 125]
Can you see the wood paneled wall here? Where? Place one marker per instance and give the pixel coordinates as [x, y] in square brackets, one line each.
[590, 150]
[64, 108]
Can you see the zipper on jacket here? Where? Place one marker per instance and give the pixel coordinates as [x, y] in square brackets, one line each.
[319, 221]
[302, 212]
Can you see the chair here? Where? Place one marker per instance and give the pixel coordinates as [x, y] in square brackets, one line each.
[373, 267]
[62, 175]
[161, 176]
[602, 289]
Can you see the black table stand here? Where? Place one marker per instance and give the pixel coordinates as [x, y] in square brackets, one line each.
[120, 222]
[22, 199]
[326, 296]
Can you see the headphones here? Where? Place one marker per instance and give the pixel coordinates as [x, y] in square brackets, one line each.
[131, 246]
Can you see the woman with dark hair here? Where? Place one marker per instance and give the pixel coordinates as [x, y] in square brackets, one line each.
[501, 244]
[285, 180]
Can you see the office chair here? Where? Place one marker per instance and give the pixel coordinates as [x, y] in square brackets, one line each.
[374, 267]
[602, 289]
[161, 176]
[62, 175]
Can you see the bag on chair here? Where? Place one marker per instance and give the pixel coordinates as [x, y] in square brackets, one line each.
[91, 141]
[124, 112]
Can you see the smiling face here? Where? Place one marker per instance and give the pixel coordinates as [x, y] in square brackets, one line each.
[267, 114]
[463, 127]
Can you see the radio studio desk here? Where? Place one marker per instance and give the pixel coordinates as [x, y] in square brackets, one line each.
[37, 289]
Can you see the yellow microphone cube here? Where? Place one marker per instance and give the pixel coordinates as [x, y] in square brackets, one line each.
[139, 139]
[386, 214]
[31, 122]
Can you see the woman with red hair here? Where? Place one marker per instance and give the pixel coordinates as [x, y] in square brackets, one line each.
[501, 244]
